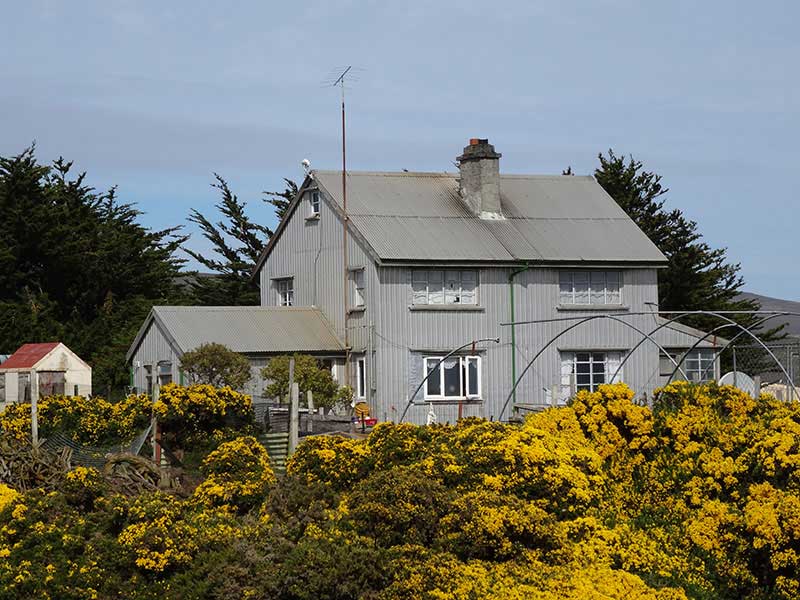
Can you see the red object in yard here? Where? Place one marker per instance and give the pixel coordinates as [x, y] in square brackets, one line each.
[368, 422]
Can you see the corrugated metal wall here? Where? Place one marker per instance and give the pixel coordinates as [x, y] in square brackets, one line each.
[154, 348]
[401, 331]
[390, 332]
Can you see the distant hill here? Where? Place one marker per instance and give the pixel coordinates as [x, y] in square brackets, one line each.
[767, 303]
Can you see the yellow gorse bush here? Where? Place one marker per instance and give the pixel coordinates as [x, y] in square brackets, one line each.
[238, 475]
[199, 411]
[698, 498]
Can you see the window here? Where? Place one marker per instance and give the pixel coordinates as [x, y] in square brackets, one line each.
[361, 378]
[588, 370]
[24, 387]
[699, 364]
[51, 382]
[164, 373]
[285, 288]
[436, 286]
[590, 287]
[148, 378]
[357, 277]
[313, 203]
[2, 387]
[456, 377]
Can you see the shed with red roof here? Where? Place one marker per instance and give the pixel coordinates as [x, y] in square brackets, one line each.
[43, 369]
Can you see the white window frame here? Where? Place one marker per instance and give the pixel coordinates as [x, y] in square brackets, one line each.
[464, 378]
[284, 288]
[699, 361]
[313, 203]
[164, 372]
[598, 292]
[444, 287]
[570, 360]
[361, 378]
[358, 278]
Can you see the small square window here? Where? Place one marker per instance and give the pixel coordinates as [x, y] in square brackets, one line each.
[357, 277]
[285, 290]
[313, 201]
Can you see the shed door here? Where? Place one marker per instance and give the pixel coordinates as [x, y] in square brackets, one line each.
[51, 383]
[24, 387]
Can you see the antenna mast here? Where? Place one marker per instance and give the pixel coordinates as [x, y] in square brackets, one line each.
[345, 221]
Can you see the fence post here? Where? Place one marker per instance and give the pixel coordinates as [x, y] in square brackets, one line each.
[294, 417]
[310, 402]
[291, 376]
[34, 383]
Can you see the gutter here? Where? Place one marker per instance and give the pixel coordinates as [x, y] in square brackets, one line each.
[511, 277]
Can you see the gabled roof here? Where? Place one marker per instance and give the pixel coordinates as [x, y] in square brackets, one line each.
[245, 329]
[420, 216]
[28, 355]
[415, 217]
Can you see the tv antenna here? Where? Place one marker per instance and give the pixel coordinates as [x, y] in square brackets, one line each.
[340, 81]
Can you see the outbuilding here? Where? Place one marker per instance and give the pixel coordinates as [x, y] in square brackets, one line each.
[257, 332]
[43, 369]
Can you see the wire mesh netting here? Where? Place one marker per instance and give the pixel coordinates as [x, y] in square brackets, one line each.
[92, 456]
[777, 366]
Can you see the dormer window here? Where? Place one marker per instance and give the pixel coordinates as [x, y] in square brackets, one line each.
[313, 203]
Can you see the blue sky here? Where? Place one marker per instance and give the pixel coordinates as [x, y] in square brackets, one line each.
[155, 96]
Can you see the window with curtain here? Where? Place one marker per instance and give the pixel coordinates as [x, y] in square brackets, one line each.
[587, 370]
[590, 287]
[444, 286]
[456, 377]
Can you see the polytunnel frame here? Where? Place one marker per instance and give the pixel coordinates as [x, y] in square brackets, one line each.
[581, 321]
[411, 402]
[649, 336]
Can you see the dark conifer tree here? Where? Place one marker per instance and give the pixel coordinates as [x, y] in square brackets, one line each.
[697, 277]
[237, 241]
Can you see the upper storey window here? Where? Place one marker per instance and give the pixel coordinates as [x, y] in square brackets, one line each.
[444, 286]
[313, 203]
[590, 287]
[285, 289]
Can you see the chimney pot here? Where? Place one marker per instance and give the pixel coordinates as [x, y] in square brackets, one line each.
[479, 180]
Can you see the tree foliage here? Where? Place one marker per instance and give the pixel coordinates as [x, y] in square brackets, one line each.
[697, 277]
[76, 266]
[308, 374]
[217, 365]
[237, 242]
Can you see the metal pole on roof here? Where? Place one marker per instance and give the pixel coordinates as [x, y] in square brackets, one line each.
[345, 278]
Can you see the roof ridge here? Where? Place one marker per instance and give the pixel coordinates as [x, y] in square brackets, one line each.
[449, 174]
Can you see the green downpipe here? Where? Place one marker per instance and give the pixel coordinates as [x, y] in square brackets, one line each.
[514, 327]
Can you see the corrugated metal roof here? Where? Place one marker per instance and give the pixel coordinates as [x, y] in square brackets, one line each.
[28, 355]
[248, 329]
[420, 216]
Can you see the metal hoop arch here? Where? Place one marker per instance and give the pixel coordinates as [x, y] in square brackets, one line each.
[573, 326]
[444, 358]
[744, 330]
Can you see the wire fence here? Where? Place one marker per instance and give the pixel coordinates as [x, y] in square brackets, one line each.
[776, 376]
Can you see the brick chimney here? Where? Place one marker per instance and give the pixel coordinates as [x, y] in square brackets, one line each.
[479, 185]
